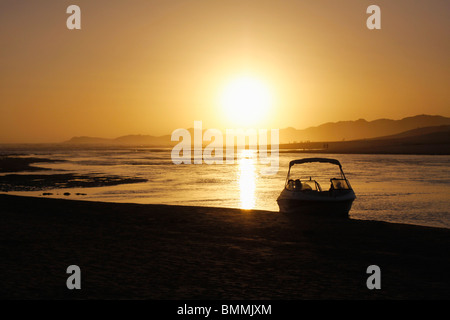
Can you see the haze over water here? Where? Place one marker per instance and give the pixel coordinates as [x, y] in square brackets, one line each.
[408, 189]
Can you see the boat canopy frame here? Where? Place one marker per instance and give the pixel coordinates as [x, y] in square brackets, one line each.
[322, 160]
[307, 160]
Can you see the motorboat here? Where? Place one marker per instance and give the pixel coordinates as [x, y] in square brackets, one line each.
[303, 195]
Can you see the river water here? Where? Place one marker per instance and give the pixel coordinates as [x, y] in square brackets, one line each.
[412, 189]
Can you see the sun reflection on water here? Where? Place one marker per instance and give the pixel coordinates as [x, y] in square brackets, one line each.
[247, 179]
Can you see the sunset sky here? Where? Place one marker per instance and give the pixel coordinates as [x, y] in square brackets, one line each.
[150, 67]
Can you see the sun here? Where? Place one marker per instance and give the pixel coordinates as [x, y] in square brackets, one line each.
[246, 101]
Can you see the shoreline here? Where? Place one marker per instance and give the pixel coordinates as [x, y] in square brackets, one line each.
[163, 252]
[334, 147]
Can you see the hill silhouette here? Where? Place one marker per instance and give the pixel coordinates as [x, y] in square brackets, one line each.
[329, 132]
[360, 129]
[136, 139]
[426, 131]
[428, 140]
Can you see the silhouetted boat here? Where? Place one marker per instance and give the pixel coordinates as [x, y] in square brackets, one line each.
[307, 196]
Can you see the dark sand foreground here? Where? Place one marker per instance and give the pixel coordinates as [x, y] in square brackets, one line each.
[168, 252]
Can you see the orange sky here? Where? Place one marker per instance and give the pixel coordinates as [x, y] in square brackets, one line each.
[149, 67]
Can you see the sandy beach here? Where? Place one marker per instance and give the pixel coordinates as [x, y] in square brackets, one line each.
[130, 251]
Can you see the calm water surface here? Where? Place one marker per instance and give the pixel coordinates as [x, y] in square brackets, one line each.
[396, 188]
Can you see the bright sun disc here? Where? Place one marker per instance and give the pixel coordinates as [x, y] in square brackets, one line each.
[246, 101]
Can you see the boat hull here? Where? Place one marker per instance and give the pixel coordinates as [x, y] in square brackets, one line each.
[297, 202]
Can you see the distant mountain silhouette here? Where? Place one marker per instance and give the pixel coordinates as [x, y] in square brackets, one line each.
[435, 131]
[124, 140]
[88, 140]
[143, 139]
[429, 140]
[360, 129]
[328, 132]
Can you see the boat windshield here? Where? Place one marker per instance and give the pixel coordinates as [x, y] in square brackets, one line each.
[316, 176]
[303, 185]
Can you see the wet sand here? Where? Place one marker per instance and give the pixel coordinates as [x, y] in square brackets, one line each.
[17, 164]
[17, 180]
[131, 251]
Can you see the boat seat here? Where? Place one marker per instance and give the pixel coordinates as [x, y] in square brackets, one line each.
[338, 184]
[306, 186]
